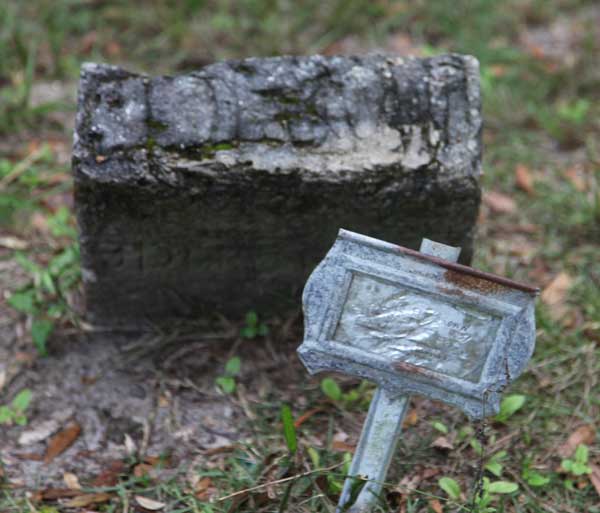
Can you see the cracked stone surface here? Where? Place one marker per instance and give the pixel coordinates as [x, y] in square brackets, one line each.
[219, 191]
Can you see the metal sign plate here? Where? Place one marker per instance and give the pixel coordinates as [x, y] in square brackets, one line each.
[416, 324]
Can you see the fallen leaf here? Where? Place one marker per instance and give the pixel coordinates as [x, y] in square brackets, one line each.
[429, 472]
[9, 242]
[113, 49]
[524, 179]
[25, 357]
[402, 44]
[339, 442]
[109, 476]
[154, 460]
[498, 70]
[409, 483]
[499, 203]
[40, 223]
[573, 319]
[130, 446]
[39, 433]
[441, 442]
[71, 481]
[305, 416]
[62, 441]
[85, 500]
[52, 494]
[436, 506]
[343, 447]
[201, 488]
[88, 42]
[585, 434]
[32, 456]
[555, 293]
[220, 449]
[141, 470]
[410, 419]
[595, 477]
[149, 504]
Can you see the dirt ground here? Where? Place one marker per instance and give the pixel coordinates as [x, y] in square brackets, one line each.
[131, 395]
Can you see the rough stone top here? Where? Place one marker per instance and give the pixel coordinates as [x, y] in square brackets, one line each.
[321, 115]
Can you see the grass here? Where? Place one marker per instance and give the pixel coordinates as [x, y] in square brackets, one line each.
[540, 113]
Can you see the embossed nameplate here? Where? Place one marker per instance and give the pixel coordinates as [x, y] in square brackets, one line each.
[417, 324]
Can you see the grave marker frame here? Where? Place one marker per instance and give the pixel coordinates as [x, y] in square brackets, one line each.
[468, 334]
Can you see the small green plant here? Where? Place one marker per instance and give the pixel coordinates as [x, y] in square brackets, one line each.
[44, 298]
[15, 411]
[578, 466]
[494, 464]
[532, 477]
[440, 426]
[357, 395]
[574, 112]
[510, 405]
[331, 389]
[253, 327]
[289, 429]
[335, 480]
[566, 120]
[489, 492]
[451, 487]
[227, 382]
[356, 485]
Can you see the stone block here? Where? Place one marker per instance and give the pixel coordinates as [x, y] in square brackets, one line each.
[218, 191]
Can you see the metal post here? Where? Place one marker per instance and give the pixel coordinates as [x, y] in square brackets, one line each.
[382, 428]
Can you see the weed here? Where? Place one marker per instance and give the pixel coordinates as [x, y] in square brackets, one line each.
[530, 108]
[44, 297]
[289, 430]
[227, 382]
[253, 327]
[14, 412]
[509, 405]
[578, 466]
[357, 396]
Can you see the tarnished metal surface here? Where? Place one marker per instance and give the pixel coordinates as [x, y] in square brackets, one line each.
[413, 322]
[383, 425]
[465, 275]
[405, 325]
[375, 449]
[417, 323]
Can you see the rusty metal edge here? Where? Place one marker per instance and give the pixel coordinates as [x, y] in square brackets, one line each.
[452, 266]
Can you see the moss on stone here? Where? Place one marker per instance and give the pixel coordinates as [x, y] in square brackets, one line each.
[156, 126]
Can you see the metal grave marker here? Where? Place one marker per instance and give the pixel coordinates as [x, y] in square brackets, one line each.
[414, 323]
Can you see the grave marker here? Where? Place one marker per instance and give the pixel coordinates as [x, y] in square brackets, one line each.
[217, 191]
[413, 323]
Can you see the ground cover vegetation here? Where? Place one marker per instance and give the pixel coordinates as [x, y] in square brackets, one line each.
[539, 223]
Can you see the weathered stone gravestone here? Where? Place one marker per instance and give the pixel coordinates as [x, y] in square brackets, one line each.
[414, 323]
[219, 190]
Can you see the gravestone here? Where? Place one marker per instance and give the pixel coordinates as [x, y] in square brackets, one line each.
[218, 191]
[414, 323]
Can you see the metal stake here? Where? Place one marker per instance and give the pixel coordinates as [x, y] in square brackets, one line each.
[382, 428]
